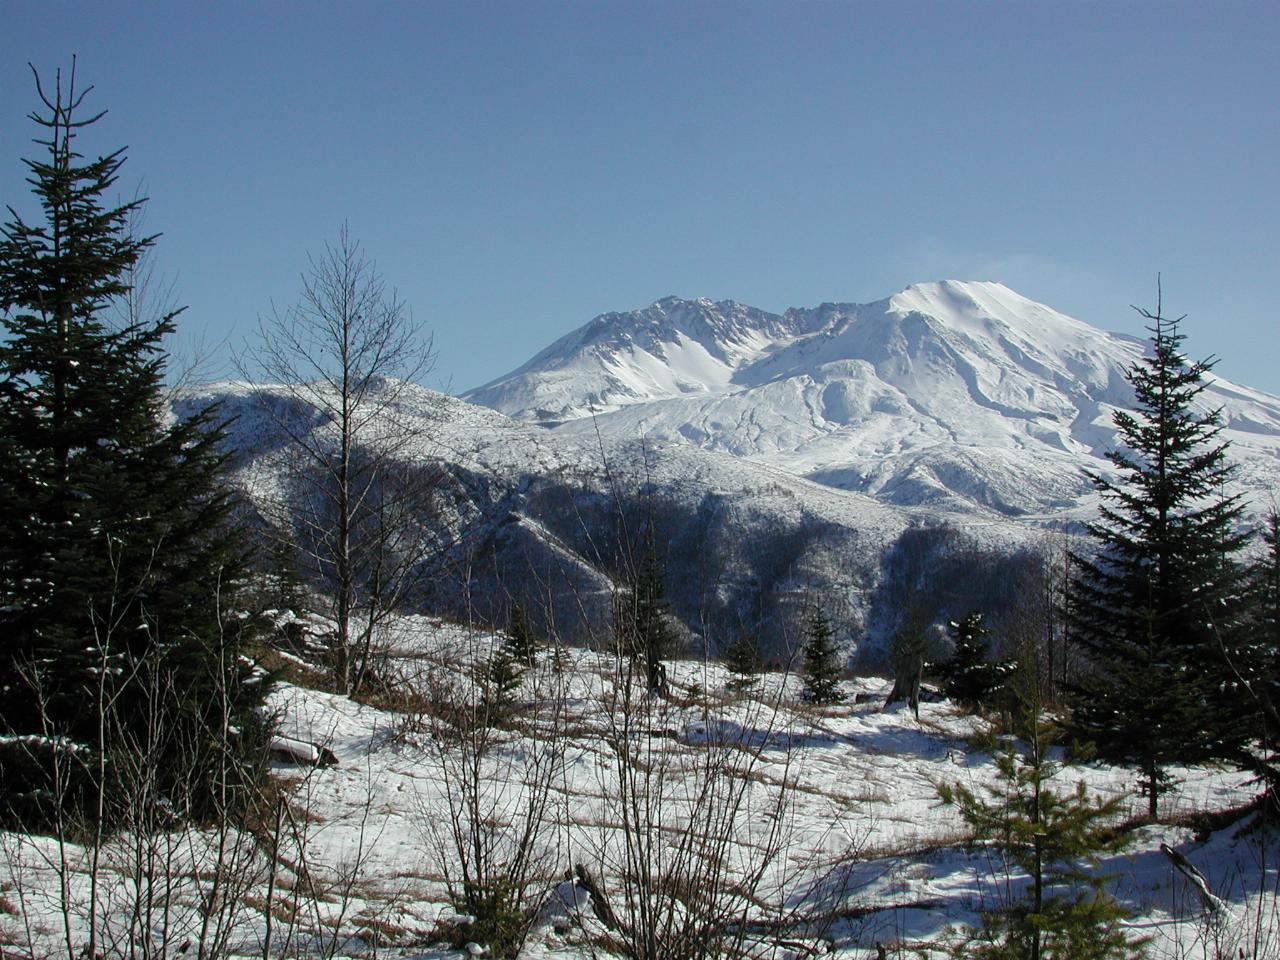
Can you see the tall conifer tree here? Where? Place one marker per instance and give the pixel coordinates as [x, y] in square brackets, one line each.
[742, 660]
[1155, 608]
[1264, 689]
[522, 642]
[117, 569]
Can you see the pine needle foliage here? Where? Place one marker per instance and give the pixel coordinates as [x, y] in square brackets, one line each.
[822, 667]
[503, 677]
[969, 676]
[1056, 837]
[121, 657]
[641, 618]
[522, 641]
[1265, 690]
[742, 660]
[1155, 610]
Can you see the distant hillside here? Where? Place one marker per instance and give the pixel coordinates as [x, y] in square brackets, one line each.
[555, 520]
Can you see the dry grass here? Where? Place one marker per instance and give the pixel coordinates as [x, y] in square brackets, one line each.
[378, 932]
[915, 846]
[292, 670]
[282, 909]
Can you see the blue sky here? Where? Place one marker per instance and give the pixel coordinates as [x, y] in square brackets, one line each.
[517, 168]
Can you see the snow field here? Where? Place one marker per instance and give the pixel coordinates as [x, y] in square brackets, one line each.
[831, 813]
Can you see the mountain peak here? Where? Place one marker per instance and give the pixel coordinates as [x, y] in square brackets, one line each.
[946, 298]
[983, 308]
[674, 304]
[962, 392]
[961, 287]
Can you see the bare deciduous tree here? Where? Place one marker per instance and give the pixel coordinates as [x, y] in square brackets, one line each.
[346, 356]
[691, 848]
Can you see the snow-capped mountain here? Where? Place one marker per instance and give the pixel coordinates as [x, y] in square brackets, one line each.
[885, 457]
[956, 394]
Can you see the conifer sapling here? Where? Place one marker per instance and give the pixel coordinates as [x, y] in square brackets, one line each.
[822, 667]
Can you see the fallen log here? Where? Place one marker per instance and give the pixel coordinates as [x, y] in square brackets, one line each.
[1213, 903]
[302, 752]
[599, 903]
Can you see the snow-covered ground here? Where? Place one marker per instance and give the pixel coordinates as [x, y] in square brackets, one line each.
[830, 820]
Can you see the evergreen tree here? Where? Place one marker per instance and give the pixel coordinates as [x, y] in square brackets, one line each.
[644, 631]
[1265, 643]
[909, 650]
[282, 587]
[522, 642]
[505, 672]
[1267, 585]
[969, 677]
[743, 661]
[822, 668]
[1155, 609]
[1056, 837]
[116, 569]
[503, 677]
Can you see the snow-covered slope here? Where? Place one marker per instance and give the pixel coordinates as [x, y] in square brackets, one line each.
[673, 348]
[556, 517]
[821, 828]
[957, 394]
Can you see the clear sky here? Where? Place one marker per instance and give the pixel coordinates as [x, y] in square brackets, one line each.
[517, 168]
